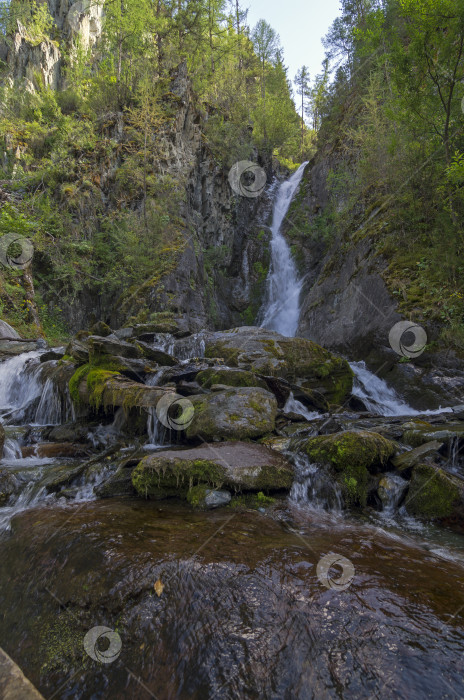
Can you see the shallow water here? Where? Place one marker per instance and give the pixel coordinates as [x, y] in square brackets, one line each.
[243, 612]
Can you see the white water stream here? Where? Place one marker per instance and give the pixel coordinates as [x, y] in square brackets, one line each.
[282, 309]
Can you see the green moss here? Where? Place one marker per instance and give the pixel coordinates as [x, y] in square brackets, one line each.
[352, 455]
[197, 494]
[162, 478]
[236, 378]
[96, 382]
[245, 501]
[75, 381]
[432, 493]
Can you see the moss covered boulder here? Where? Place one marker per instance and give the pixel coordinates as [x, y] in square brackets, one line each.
[295, 359]
[436, 495]
[229, 377]
[237, 465]
[353, 456]
[246, 412]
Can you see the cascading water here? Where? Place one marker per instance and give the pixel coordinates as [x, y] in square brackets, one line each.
[282, 310]
[379, 398]
[19, 382]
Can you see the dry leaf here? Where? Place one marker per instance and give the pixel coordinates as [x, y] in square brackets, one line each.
[159, 587]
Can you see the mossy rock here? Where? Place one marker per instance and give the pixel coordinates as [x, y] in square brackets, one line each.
[435, 495]
[238, 465]
[295, 359]
[247, 412]
[228, 377]
[353, 455]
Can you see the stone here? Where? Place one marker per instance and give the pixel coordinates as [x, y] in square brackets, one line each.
[51, 355]
[352, 455]
[297, 360]
[436, 495]
[9, 485]
[2, 439]
[204, 498]
[100, 328]
[13, 683]
[238, 465]
[78, 350]
[6, 331]
[390, 490]
[247, 412]
[55, 449]
[118, 485]
[404, 462]
[108, 346]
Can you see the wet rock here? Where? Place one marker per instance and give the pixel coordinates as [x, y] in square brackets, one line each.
[55, 449]
[2, 439]
[229, 377]
[279, 444]
[417, 434]
[391, 490]
[159, 356]
[404, 462]
[51, 355]
[202, 497]
[296, 359]
[118, 485]
[124, 333]
[112, 346]
[10, 348]
[329, 427]
[78, 350]
[352, 455]
[436, 495]
[238, 465]
[69, 432]
[246, 412]
[9, 485]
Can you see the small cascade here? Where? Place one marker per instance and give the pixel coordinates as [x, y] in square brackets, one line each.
[11, 449]
[391, 490]
[105, 435]
[294, 406]
[183, 348]
[55, 407]
[282, 309]
[379, 398]
[20, 385]
[313, 488]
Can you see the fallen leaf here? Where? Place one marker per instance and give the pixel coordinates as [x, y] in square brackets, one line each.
[159, 587]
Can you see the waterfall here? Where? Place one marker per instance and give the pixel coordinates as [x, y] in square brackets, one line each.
[54, 408]
[282, 309]
[294, 406]
[20, 381]
[379, 398]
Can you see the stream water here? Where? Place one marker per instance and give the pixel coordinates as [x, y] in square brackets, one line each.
[246, 610]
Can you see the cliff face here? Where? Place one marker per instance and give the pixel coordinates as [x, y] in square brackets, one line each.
[218, 270]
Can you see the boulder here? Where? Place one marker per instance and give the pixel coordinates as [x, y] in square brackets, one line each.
[418, 433]
[229, 377]
[436, 495]
[99, 346]
[296, 359]
[10, 348]
[6, 331]
[246, 412]
[117, 485]
[352, 455]
[238, 465]
[78, 350]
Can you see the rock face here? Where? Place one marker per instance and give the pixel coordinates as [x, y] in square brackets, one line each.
[247, 412]
[237, 465]
[352, 455]
[295, 359]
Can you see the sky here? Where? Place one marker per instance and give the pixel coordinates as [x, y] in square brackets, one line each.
[301, 25]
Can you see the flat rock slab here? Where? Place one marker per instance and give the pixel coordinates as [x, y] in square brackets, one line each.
[240, 465]
[13, 683]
